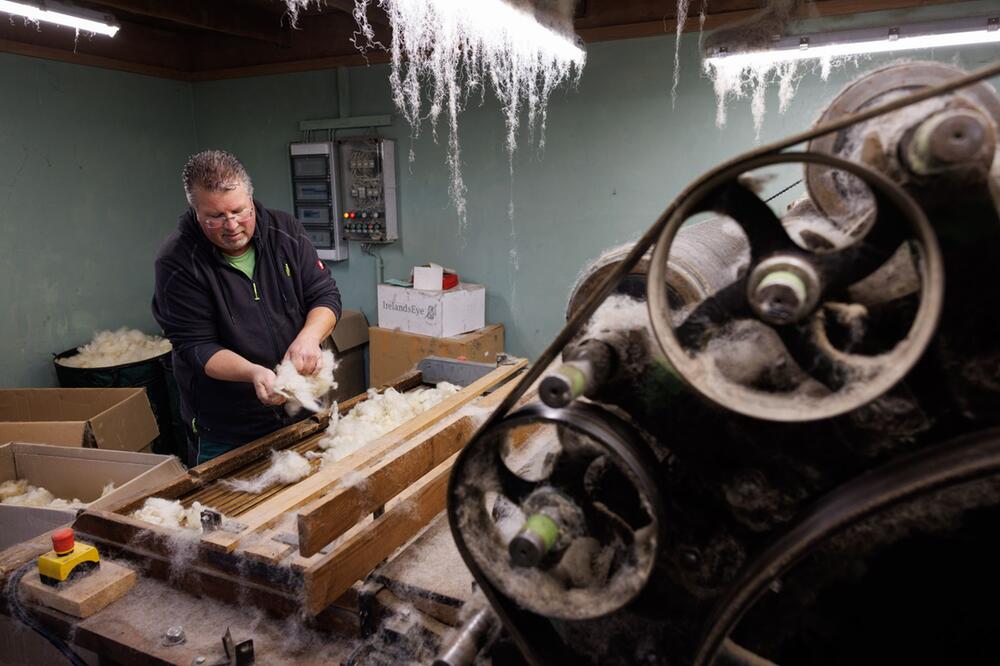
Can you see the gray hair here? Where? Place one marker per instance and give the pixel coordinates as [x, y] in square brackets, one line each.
[214, 171]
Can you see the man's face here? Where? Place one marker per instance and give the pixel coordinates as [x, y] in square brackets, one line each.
[227, 218]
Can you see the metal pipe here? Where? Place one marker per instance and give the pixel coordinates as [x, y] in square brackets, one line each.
[465, 645]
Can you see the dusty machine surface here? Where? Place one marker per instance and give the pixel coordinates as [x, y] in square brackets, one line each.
[772, 436]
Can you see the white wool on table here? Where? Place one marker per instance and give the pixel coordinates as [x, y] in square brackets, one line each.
[307, 390]
[20, 493]
[109, 348]
[170, 513]
[286, 467]
[374, 417]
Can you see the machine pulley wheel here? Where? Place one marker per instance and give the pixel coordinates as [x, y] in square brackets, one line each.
[768, 345]
[559, 510]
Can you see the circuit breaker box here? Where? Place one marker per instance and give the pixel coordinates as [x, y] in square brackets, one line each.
[315, 197]
[368, 188]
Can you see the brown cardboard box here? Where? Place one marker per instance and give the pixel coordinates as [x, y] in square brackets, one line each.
[349, 339]
[103, 418]
[393, 353]
[74, 473]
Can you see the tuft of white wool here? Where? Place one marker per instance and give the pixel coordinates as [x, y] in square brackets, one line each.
[170, 513]
[110, 348]
[444, 53]
[19, 492]
[306, 390]
[374, 417]
[286, 467]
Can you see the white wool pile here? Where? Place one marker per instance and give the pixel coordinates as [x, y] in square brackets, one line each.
[306, 390]
[170, 513]
[109, 348]
[286, 467]
[376, 416]
[20, 493]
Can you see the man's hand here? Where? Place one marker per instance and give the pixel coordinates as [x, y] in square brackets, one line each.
[263, 383]
[304, 354]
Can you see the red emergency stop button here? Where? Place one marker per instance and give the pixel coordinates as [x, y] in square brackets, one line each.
[62, 541]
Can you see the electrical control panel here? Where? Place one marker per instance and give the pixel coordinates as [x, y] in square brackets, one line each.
[368, 189]
[315, 197]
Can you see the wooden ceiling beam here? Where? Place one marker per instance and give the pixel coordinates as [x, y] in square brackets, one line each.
[212, 16]
[375, 16]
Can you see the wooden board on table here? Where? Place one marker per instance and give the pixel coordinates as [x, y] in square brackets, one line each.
[84, 596]
[326, 518]
[282, 439]
[301, 493]
[332, 575]
[430, 574]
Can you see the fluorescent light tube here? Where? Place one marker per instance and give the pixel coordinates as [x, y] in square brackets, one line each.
[100, 24]
[959, 32]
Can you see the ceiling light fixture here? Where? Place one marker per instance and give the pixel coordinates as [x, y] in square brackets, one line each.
[51, 12]
[938, 34]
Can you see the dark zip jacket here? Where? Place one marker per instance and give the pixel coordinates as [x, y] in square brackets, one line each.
[204, 305]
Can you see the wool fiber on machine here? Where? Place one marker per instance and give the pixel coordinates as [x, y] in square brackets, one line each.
[374, 417]
[306, 391]
[19, 492]
[286, 467]
[170, 513]
[110, 348]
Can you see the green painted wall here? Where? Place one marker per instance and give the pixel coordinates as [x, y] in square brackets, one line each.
[89, 188]
[616, 154]
[91, 161]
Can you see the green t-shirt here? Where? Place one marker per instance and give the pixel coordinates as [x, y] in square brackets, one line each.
[245, 262]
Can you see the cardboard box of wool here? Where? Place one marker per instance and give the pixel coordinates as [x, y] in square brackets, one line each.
[69, 474]
[393, 353]
[100, 418]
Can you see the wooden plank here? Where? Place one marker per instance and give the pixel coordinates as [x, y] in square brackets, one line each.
[85, 596]
[335, 573]
[245, 21]
[322, 481]
[76, 58]
[715, 20]
[280, 439]
[328, 517]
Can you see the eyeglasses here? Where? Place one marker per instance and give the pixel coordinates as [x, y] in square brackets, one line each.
[239, 217]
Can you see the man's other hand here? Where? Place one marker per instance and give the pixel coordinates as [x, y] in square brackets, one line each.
[304, 354]
[263, 384]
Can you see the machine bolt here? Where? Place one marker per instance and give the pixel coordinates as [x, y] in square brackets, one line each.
[534, 540]
[563, 386]
[199, 660]
[783, 289]
[780, 297]
[949, 139]
[690, 558]
[174, 636]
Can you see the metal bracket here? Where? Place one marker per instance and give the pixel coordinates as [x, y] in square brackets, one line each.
[239, 654]
[212, 520]
[461, 373]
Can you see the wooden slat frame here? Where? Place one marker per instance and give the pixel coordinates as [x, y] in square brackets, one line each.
[300, 494]
[330, 516]
[335, 573]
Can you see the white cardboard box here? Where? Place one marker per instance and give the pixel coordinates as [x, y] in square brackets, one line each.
[441, 314]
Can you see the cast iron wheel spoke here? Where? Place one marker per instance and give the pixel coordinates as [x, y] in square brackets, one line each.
[856, 262]
[722, 307]
[513, 486]
[813, 358]
[763, 229]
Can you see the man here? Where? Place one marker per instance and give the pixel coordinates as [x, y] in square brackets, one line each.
[238, 289]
